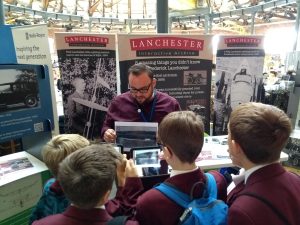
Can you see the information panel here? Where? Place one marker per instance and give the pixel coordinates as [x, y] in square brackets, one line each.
[182, 65]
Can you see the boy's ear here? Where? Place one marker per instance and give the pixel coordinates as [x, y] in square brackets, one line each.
[168, 152]
[236, 148]
[106, 197]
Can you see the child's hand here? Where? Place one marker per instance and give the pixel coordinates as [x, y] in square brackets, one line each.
[131, 170]
[121, 172]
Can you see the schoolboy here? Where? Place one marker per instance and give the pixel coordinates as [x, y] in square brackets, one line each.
[53, 200]
[86, 177]
[257, 133]
[181, 136]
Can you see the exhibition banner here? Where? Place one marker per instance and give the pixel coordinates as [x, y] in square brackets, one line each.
[239, 76]
[24, 108]
[87, 64]
[182, 66]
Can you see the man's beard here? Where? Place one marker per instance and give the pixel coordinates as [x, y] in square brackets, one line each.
[146, 100]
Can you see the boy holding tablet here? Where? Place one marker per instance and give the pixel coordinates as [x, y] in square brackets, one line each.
[181, 136]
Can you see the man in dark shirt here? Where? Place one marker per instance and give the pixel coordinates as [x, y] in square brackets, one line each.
[142, 103]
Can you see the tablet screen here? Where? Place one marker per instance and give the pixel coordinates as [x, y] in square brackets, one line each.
[146, 157]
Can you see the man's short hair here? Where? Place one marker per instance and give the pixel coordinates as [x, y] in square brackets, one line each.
[59, 147]
[86, 175]
[183, 132]
[138, 69]
[261, 130]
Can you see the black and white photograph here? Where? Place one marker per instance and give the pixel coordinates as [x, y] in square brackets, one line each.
[198, 107]
[192, 77]
[292, 148]
[18, 89]
[136, 134]
[89, 80]
[233, 86]
[146, 158]
[89, 84]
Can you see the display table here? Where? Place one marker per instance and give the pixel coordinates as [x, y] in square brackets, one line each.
[214, 155]
[21, 182]
[207, 164]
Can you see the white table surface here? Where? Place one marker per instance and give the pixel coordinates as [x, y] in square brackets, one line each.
[38, 167]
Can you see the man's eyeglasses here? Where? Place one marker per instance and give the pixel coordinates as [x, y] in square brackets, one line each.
[143, 90]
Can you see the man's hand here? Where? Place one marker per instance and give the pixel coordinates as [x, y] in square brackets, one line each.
[109, 135]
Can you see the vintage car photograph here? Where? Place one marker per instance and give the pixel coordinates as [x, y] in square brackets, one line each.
[18, 95]
[18, 89]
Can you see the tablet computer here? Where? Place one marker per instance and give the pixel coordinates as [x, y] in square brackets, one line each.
[119, 148]
[146, 156]
[135, 134]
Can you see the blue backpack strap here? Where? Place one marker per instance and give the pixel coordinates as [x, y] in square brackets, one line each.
[211, 186]
[174, 194]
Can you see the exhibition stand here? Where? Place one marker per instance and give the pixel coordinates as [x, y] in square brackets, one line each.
[26, 114]
[90, 61]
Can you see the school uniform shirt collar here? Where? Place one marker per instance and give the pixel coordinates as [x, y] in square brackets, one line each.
[243, 176]
[253, 169]
[177, 172]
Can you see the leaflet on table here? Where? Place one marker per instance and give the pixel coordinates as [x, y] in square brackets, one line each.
[13, 165]
[214, 147]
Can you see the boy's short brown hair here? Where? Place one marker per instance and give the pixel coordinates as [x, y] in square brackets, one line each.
[261, 130]
[183, 132]
[59, 147]
[86, 175]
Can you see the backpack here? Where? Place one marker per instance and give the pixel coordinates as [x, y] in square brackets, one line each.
[207, 210]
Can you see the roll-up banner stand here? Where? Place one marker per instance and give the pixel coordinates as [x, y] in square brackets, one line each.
[239, 76]
[87, 64]
[31, 47]
[182, 65]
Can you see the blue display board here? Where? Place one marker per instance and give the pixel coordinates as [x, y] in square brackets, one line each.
[7, 53]
[25, 101]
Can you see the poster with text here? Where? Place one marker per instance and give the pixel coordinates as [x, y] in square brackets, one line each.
[239, 76]
[87, 64]
[25, 92]
[182, 66]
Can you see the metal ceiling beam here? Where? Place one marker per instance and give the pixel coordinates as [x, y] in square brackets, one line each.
[189, 12]
[93, 7]
[297, 26]
[103, 20]
[45, 4]
[175, 15]
[252, 9]
[44, 14]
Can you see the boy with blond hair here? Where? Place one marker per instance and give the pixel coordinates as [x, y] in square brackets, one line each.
[86, 177]
[53, 200]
